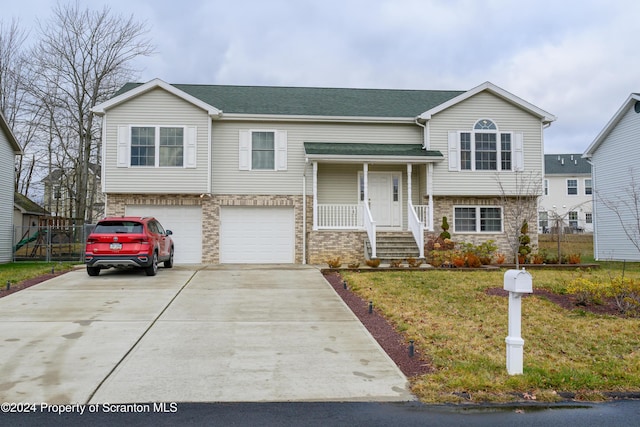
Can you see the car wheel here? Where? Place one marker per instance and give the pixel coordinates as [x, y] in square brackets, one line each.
[169, 263]
[93, 271]
[152, 270]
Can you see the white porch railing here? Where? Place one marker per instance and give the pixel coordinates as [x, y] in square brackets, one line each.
[340, 216]
[423, 213]
[416, 225]
[370, 226]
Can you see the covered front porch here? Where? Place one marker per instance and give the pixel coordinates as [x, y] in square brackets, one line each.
[372, 188]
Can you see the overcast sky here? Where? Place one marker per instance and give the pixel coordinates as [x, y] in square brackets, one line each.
[576, 59]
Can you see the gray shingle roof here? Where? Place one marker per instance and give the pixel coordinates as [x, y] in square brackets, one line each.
[566, 164]
[312, 101]
[358, 149]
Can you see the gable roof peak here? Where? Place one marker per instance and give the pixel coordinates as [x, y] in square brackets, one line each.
[100, 109]
[546, 117]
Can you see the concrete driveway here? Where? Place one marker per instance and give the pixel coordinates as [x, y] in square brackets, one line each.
[190, 334]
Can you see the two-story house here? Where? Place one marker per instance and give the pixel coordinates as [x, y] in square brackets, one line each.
[567, 195]
[245, 174]
[615, 160]
[60, 190]
[9, 149]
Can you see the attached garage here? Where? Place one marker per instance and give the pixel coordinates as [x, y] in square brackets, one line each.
[257, 235]
[186, 224]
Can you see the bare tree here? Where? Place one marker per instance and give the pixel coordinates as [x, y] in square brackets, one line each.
[82, 58]
[14, 97]
[519, 198]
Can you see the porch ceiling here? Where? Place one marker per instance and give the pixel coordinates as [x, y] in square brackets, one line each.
[358, 153]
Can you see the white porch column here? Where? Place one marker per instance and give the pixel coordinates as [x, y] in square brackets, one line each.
[315, 195]
[409, 171]
[429, 176]
[365, 178]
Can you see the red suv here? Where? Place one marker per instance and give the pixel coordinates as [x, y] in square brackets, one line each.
[128, 242]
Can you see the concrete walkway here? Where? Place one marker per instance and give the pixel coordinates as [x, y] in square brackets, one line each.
[208, 334]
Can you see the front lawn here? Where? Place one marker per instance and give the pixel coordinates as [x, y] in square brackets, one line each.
[17, 272]
[462, 330]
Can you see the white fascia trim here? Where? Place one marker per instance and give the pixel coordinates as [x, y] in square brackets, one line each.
[294, 118]
[610, 125]
[488, 86]
[370, 159]
[101, 109]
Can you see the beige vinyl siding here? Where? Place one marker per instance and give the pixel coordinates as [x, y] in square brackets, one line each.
[228, 179]
[156, 108]
[462, 117]
[7, 166]
[338, 184]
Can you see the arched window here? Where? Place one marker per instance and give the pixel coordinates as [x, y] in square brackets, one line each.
[485, 124]
[485, 148]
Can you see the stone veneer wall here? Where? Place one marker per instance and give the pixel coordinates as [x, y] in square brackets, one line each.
[326, 244]
[211, 214]
[443, 206]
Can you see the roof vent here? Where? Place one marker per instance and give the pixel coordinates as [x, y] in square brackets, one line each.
[562, 162]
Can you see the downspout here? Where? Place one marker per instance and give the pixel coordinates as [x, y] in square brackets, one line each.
[304, 211]
[429, 172]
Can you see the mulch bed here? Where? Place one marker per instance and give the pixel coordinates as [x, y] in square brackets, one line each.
[568, 302]
[393, 343]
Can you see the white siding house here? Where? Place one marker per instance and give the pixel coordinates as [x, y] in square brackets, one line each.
[567, 194]
[9, 149]
[298, 175]
[615, 163]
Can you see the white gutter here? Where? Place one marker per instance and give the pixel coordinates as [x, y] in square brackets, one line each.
[304, 212]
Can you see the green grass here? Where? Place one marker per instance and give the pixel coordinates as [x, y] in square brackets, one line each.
[16, 272]
[462, 330]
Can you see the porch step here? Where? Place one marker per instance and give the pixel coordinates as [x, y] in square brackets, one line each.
[393, 245]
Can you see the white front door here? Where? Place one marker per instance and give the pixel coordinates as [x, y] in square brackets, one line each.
[384, 198]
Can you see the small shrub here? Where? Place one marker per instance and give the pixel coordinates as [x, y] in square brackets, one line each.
[500, 258]
[573, 258]
[414, 263]
[626, 293]
[354, 264]
[473, 261]
[374, 263]
[396, 263]
[334, 262]
[458, 260]
[537, 259]
[586, 291]
[445, 227]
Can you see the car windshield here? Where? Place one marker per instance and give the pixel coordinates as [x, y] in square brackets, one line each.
[115, 227]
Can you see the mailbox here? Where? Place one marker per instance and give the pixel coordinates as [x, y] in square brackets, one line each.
[518, 281]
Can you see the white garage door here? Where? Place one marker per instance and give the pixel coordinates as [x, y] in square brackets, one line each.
[256, 235]
[186, 224]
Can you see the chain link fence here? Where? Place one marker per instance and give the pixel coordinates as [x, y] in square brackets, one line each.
[50, 242]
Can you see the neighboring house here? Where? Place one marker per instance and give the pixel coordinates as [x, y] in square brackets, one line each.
[59, 194]
[9, 149]
[245, 174]
[566, 195]
[615, 161]
[26, 218]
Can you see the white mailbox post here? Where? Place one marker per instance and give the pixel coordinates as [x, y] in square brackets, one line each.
[517, 282]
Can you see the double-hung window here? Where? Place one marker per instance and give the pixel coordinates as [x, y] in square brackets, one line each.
[485, 148]
[477, 219]
[152, 146]
[588, 187]
[572, 187]
[263, 150]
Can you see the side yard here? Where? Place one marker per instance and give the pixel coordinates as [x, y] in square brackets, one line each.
[458, 320]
